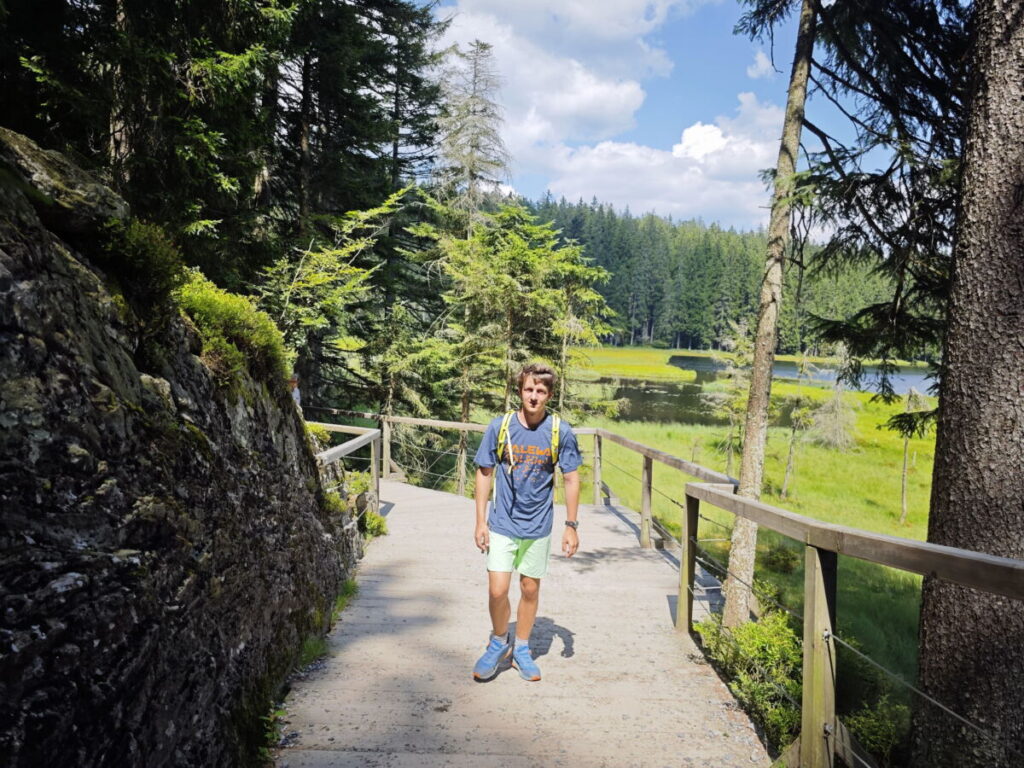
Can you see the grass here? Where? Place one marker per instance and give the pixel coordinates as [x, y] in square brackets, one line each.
[348, 590]
[631, 363]
[315, 646]
[858, 488]
[651, 364]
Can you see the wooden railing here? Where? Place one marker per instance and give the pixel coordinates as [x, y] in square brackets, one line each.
[365, 436]
[648, 455]
[822, 734]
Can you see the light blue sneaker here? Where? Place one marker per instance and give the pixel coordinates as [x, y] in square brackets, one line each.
[497, 651]
[522, 660]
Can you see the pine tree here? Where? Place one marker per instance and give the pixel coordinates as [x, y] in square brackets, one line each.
[472, 159]
[977, 491]
[744, 534]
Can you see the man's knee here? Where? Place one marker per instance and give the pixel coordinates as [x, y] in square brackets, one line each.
[529, 588]
[497, 591]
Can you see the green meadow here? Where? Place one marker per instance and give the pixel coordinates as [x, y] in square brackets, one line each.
[877, 607]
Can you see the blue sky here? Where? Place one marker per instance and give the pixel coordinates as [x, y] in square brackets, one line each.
[651, 104]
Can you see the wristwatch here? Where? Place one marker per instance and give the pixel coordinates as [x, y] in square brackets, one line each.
[574, 524]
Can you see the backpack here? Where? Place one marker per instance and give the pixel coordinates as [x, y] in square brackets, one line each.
[503, 439]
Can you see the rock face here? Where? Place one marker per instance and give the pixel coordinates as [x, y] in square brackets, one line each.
[162, 549]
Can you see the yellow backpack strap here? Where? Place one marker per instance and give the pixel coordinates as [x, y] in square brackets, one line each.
[556, 422]
[503, 440]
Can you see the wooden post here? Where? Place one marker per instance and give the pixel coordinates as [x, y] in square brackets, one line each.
[597, 470]
[687, 566]
[385, 429]
[375, 451]
[463, 447]
[645, 503]
[818, 716]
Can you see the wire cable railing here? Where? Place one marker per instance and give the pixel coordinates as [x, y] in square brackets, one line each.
[822, 543]
[713, 565]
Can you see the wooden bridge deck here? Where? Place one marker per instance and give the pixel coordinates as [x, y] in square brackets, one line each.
[620, 686]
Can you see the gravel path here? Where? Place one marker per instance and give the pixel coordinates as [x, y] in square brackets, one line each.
[621, 687]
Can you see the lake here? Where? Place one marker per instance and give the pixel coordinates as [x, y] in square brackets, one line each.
[706, 369]
[682, 402]
[659, 401]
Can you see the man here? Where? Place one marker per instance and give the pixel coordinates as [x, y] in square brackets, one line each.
[522, 448]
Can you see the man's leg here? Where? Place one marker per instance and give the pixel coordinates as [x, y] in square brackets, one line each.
[526, 613]
[497, 601]
[522, 657]
[498, 647]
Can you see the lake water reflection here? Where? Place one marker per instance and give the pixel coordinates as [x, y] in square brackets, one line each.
[901, 382]
[683, 402]
[661, 401]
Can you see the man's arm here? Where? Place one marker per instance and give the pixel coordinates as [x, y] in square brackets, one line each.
[571, 539]
[481, 536]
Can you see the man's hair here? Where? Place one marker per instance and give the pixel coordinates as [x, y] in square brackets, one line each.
[545, 374]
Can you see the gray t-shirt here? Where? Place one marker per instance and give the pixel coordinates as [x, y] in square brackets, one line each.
[525, 507]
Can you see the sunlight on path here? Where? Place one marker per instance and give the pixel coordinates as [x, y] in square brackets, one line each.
[621, 687]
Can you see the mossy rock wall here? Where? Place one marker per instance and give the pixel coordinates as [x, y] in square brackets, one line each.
[163, 552]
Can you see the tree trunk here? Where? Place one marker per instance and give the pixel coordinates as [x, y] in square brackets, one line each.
[464, 416]
[903, 482]
[563, 363]
[508, 360]
[789, 464]
[390, 257]
[728, 447]
[971, 643]
[119, 148]
[903, 476]
[305, 158]
[261, 192]
[744, 533]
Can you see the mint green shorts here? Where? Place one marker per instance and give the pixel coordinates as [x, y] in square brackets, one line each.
[528, 556]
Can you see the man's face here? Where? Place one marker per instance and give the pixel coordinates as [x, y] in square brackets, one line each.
[535, 396]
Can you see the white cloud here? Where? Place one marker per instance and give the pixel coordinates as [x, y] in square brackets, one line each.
[699, 141]
[762, 66]
[711, 173]
[548, 97]
[572, 74]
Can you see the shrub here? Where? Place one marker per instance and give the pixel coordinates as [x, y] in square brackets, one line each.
[357, 482]
[373, 525]
[334, 505]
[318, 434]
[762, 661]
[782, 559]
[880, 728]
[235, 334]
[144, 262]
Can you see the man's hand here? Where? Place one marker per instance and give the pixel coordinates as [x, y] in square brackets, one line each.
[482, 537]
[570, 541]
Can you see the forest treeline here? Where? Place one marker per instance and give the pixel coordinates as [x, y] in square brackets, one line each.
[681, 284]
[324, 159]
[248, 131]
[235, 126]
